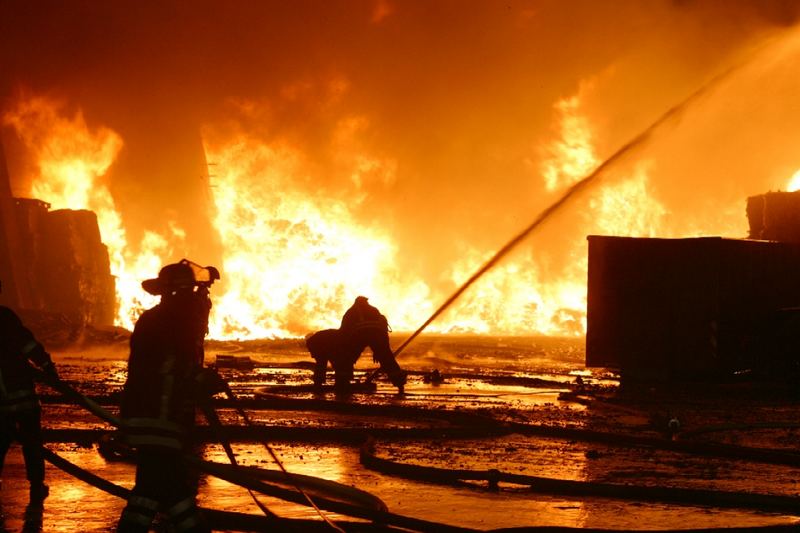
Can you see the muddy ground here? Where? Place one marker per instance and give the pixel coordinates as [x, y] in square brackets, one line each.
[532, 419]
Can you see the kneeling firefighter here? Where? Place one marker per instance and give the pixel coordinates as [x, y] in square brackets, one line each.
[20, 412]
[326, 346]
[165, 385]
[364, 326]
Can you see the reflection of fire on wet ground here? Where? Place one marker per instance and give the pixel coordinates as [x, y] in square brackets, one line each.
[534, 422]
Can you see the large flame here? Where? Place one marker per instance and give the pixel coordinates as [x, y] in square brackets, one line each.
[571, 155]
[399, 182]
[72, 160]
[520, 295]
[294, 258]
[294, 261]
[794, 182]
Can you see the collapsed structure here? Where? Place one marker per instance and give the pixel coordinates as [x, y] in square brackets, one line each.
[53, 262]
[662, 309]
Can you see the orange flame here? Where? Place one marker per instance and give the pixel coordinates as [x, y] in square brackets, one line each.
[571, 155]
[294, 257]
[294, 261]
[72, 161]
[794, 182]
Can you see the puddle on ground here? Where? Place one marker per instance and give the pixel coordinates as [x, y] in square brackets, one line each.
[76, 506]
[505, 393]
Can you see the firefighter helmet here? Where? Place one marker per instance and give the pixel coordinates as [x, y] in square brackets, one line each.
[171, 278]
[184, 274]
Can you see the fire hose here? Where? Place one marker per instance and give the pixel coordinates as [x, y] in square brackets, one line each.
[214, 422]
[213, 419]
[382, 521]
[102, 413]
[222, 519]
[572, 488]
[372, 508]
[472, 426]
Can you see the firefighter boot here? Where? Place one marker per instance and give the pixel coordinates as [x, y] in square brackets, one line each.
[39, 492]
[398, 379]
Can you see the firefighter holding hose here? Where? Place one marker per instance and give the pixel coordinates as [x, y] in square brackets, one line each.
[166, 382]
[362, 326]
[20, 412]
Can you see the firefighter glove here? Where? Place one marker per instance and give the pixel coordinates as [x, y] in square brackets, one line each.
[211, 382]
[49, 369]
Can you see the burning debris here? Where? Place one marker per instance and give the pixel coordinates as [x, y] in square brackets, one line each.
[54, 262]
[68, 268]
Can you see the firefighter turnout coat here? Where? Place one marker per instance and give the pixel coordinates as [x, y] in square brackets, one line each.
[166, 357]
[19, 348]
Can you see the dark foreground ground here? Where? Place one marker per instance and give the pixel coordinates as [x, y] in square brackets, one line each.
[515, 406]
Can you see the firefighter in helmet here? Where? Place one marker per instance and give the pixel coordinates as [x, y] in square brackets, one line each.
[20, 412]
[162, 391]
[364, 326]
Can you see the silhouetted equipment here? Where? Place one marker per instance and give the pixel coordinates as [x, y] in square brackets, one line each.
[704, 307]
[774, 216]
[233, 361]
[53, 261]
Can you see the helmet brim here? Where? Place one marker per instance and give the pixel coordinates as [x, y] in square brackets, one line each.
[154, 286]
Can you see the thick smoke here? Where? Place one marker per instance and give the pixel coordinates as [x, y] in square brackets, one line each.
[453, 100]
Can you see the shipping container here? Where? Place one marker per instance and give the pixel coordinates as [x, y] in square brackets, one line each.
[665, 309]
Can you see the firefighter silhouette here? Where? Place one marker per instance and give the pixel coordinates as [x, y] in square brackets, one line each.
[20, 412]
[362, 326]
[165, 384]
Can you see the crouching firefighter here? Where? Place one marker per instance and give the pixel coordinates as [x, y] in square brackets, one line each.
[364, 326]
[163, 389]
[20, 412]
[328, 346]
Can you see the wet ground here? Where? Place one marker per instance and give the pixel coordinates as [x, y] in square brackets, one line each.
[512, 405]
